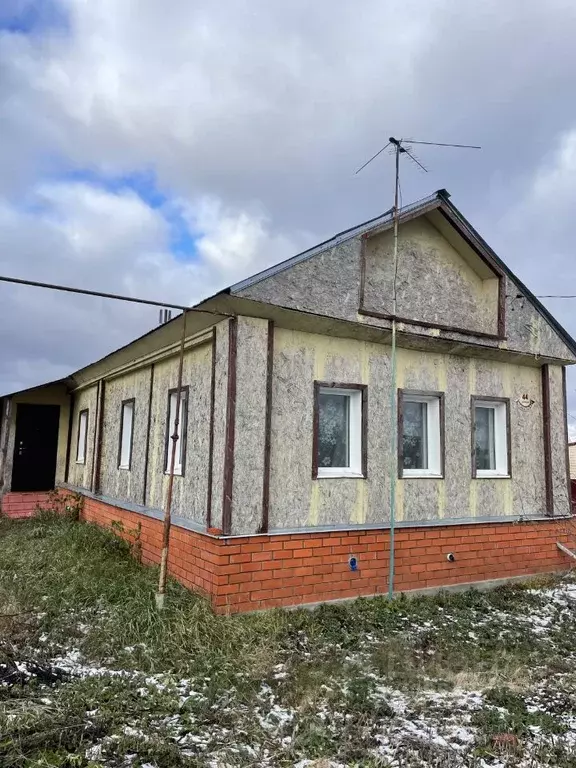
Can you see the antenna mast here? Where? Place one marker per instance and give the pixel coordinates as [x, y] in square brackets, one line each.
[399, 148]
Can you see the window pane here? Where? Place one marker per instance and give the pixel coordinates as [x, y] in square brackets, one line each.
[172, 427]
[415, 437]
[82, 434]
[485, 443]
[333, 430]
[126, 439]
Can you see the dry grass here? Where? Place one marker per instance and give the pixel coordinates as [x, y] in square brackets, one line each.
[66, 585]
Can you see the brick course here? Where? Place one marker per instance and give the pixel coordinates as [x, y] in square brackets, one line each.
[21, 505]
[257, 572]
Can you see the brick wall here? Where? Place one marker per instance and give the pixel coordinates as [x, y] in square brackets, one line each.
[255, 572]
[21, 505]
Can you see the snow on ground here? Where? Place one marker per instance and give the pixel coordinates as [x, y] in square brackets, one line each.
[383, 724]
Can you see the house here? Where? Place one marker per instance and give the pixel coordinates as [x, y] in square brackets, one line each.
[284, 475]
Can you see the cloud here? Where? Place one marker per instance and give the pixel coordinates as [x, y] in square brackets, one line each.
[250, 118]
[82, 235]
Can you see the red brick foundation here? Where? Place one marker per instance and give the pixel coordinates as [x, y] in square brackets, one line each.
[256, 572]
[21, 505]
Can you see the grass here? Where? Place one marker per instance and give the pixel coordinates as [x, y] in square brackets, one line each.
[95, 676]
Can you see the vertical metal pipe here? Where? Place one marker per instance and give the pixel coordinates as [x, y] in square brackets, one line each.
[393, 405]
[168, 506]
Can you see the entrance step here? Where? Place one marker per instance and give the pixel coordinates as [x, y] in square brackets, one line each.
[21, 505]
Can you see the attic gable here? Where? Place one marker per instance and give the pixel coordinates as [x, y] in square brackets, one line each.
[450, 284]
[440, 281]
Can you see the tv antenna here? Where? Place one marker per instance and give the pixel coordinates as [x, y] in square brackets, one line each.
[399, 147]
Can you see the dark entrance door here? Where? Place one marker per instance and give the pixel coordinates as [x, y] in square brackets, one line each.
[35, 447]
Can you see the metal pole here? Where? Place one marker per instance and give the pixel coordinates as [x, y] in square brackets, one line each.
[168, 505]
[393, 405]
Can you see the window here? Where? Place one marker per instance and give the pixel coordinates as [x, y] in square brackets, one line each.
[126, 431]
[180, 458]
[82, 437]
[339, 430]
[420, 434]
[490, 437]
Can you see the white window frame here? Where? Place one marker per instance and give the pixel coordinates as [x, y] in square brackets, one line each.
[434, 448]
[126, 434]
[82, 439]
[180, 458]
[355, 430]
[501, 424]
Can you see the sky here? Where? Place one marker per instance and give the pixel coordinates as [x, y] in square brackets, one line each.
[167, 150]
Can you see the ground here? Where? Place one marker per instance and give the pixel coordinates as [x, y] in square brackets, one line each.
[91, 674]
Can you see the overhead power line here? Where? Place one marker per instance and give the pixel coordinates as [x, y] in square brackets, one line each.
[543, 296]
[101, 294]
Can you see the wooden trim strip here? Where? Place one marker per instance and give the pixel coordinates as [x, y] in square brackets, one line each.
[148, 428]
[547, 440]
[363, 388]
[362, 272]
[315, 430]
[69, 437]
[426, 324]
[364, 447]
[501, 307]
[98, 438]
[400, 432]
[211, 433]
[122, 404]
[93, 457]
[473, 436]
[268, 429]
[565, 401]
[230, 426]
[441, 415]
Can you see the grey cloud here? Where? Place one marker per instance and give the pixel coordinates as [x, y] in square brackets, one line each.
[269, 108]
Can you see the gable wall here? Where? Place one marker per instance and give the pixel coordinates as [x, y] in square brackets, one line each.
[329, 284]
[433, 283]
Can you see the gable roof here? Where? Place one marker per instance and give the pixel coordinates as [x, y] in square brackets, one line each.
[438, 200]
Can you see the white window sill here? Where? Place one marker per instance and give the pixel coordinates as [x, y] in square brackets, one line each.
[124, 467]
[409, 474]
[481, 474]
[327, 473]
[177, 472]
[81, 463]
